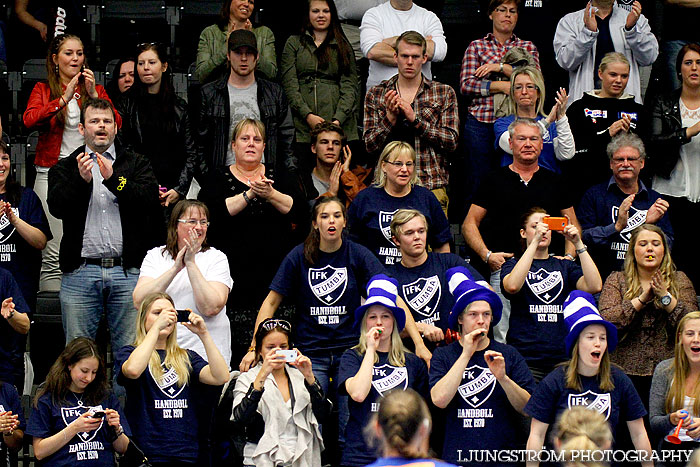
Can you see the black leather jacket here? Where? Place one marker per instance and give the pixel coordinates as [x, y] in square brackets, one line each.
[214, 124]
[667, 134]
[185, 161]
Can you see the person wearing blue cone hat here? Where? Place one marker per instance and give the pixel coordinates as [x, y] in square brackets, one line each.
[483, 384]
[376, 365]
[587, 379]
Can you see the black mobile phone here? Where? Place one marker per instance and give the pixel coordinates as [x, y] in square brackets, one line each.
[183, 316]
[99, 414]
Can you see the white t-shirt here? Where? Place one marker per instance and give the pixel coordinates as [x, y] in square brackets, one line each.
[72, 139]
[684, 181]
[385, 21]
[214, 267]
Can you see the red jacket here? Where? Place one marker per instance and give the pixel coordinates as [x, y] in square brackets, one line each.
[40, 115]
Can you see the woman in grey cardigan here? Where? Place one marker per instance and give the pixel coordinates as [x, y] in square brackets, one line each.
[675, 392]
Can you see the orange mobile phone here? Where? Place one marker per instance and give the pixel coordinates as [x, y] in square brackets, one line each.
[556, 223]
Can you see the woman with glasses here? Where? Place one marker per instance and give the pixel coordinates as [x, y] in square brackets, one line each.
[254, 218]
[527, 101]
[279, 403]
[395, 187]
[194, 274]
[157, 125]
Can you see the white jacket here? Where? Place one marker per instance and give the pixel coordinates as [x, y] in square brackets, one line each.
[574, 47]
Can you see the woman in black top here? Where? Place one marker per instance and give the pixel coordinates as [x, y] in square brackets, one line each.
[156, 124]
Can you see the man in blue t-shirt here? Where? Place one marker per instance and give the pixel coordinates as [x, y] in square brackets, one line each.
[610, 211]
[482, 383]
[421, 275]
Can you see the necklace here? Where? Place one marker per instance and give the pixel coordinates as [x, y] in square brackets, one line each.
[79, 400]
[253, 173]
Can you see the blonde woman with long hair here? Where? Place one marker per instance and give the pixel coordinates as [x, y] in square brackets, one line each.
[645, 303]
[395, 187]
[588, 379]
[579, 434]
[675, 392]
[527, 96]
[376, 365]
[159, 377]
[53, 110]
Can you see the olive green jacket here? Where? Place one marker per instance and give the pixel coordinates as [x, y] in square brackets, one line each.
[212, 60]
[327, 92]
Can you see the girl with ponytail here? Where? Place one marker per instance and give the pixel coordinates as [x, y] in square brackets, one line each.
[401, 431]
[582, 430]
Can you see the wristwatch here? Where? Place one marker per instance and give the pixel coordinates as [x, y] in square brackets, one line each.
[666, 299]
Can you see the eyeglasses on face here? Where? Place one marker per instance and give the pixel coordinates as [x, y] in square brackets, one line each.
[528, 87]
[399, 164]
[194, 222]
[622, 160]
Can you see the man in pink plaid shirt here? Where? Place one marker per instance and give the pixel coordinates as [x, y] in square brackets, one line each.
[483, 75]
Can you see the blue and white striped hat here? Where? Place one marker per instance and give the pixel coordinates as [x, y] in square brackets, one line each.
[382, 290]
[466, 291]
[580, 311]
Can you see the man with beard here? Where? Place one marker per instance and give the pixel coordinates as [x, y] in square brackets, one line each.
[609, 212]
[584, 37]
[101, 193]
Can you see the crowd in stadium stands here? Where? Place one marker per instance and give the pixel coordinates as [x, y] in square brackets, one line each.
[274, 266]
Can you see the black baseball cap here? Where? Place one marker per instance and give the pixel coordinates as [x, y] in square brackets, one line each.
[242, 38]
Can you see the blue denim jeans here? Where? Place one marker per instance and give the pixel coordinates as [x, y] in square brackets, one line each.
[669, 52]
[91, 291]
[326, 366]
[481, 155]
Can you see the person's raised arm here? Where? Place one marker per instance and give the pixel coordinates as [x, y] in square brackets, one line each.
[359, 386]
[445, 389]
[515, 279]
[216, 372]
[267, 310]
[209, 296]
[591, 281]
[412, 330]
[148, 285]
[138, 361]
[571, 215]
[573, 40]
[24, 16]
[516, 395]
[35, 237]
